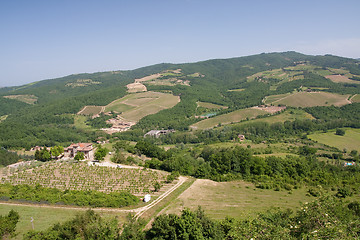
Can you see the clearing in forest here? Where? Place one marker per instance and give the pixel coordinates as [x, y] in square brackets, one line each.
[228, 118]
[350, 141]
[138, 105]
[288, 115]
[308, 99]
[29, 99]
[136, 87]
[91, 110]
[341, 79]
[210, 105]
[236, 199]
[355, 98]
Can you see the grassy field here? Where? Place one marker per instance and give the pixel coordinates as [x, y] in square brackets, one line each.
[135, 106]
[2, 118]
[288, 115]
[308, 99]
[228, 118]
[29, 99]
[341, 79]
[356, 98]
[236, 199]
[273, 98]
[44, 217]
[90, 110]
[350, 141]
[210, 105]
[236, 90]
[147, 103]
[79, 122]
[118, 107]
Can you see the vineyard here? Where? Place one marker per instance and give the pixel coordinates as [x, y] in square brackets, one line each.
[80, 176]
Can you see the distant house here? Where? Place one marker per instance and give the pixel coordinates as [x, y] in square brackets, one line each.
[157, 133]
[147, 198]
[86, 148]
[241, 137]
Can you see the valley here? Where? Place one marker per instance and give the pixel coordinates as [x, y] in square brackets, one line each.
[241, 138]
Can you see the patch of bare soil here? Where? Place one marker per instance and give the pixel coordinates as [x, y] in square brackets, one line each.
[270, 109]
[148, 78]
[136, 87]
[339, 78]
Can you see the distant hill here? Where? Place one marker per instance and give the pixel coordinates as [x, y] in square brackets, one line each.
[43, 112]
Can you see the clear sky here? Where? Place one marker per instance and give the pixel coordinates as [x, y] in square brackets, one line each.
[48, 39]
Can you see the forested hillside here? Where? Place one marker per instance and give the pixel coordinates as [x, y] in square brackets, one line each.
[235, 83]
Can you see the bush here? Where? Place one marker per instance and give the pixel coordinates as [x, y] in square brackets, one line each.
[340, 132]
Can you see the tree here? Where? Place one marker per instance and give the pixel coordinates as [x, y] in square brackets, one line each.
[56, 151]
[79, 156]
[157, 186]
[100, 153]
[340, 132]
[42, 155]
[8, 224]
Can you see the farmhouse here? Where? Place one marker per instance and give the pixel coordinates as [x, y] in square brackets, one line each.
[157, 133]
[241, 137]
[86, 148]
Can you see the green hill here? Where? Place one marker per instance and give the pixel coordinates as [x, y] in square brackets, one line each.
[49, 119]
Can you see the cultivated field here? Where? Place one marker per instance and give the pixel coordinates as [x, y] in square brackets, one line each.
[135, 106]
[210, 105]
[350, 141]
[118, 106]
[288, 115]
[308, 99]
[341, 79]
[91, 110]
[236, 199]
[228, 118]
[136, 87]
[80, 176]
[355, 98]
[145, 104]
[29, 99]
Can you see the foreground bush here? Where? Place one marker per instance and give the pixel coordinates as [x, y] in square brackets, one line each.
[325, 218]
[67, 197]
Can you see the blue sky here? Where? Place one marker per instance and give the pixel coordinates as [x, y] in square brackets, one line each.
[48, 39]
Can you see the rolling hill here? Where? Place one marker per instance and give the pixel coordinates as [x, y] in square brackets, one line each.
[50, 106]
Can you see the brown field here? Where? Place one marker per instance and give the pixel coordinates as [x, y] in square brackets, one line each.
[236, 199]
[341, 79]
[29, 99]
[309, 99]
[91, 110]
[148, 78]
[136, 87]
[270, 109]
